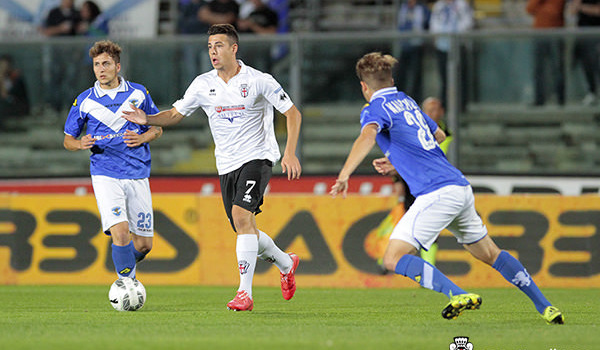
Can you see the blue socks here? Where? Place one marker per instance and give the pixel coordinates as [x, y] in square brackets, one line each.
[138, 255]
[427, 275]
[510, 268]
[514, 272]
[124, 260]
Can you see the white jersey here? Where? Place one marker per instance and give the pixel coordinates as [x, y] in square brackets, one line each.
[240, 114]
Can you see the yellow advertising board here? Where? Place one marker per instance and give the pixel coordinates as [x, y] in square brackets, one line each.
[57, 239]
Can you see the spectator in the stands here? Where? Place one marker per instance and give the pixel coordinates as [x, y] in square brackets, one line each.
[61, 83]
[92, 24]
[587, 48]
[260, 20]
[62, 20]
[449, 17]
[188, 17]
[413, 17]
[548, 52]
[14, 101]
[219, 12]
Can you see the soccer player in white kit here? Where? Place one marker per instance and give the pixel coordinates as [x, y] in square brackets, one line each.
[120, 156]
[239, 101]
[444, 198]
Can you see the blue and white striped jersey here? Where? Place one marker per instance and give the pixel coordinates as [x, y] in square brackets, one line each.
[405, 135]
[99, 112]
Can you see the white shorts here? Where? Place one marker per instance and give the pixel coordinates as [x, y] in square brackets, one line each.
[451, 207]
[126, 200]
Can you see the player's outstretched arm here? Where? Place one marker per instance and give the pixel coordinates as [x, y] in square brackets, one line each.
[164, 118]
[73, 144]
[289, 162]
[361, 147]
[133, 139]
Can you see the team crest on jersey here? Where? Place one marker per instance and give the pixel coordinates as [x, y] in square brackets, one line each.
[116, 211]
[244, 90]
[134, 102]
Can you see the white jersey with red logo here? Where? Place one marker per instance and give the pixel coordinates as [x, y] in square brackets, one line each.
[240, 114]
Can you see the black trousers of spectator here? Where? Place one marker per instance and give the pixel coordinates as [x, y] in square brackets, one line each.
[586, 51]
[462, 77]
[410, 73]
[549, 53]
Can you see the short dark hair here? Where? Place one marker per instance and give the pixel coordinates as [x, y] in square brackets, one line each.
[226, 29]
[106, 46]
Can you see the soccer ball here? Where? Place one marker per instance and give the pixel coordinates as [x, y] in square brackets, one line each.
[127, 294]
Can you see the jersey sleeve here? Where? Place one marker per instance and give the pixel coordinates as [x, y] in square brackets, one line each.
[432, 125]
[370, 114]
[274, 93]
[191, 100]
[75, 122]
[149, 107]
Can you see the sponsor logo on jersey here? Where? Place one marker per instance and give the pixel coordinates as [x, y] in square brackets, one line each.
[283, 96]
[247, 198]
[461, 343]
[244, 90]
[220, 109]
[110, 136]
[212, 92]
[243, 266]
[116, 211]
[230, 112]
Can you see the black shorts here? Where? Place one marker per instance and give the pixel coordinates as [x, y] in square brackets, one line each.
[246, 186]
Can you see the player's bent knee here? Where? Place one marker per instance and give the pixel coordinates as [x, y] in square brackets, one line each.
[144, 249]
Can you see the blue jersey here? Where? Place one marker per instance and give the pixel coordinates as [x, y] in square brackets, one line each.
[405, 135]
[99, 111]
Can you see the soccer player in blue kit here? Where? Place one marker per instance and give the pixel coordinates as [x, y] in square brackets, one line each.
[444, 198]
[120, 159]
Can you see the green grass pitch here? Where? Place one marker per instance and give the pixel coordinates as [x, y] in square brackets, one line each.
[80, 317]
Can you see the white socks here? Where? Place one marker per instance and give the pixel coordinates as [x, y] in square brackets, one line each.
[246, 249]
[269, 252]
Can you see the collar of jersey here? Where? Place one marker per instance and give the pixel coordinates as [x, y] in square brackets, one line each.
[243, 69]
[383, 91]
[101, 92]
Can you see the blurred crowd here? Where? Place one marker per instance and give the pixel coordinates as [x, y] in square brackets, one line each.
[265, 17]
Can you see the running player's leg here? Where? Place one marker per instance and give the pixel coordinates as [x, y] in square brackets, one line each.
[110, 197]
[246, 250]
[242, 192]
[246, 246]
[399, 257]
[419, 228]
[140, 216]
[122, 250]
[142, 246]
[470, 228]
[513, 271]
